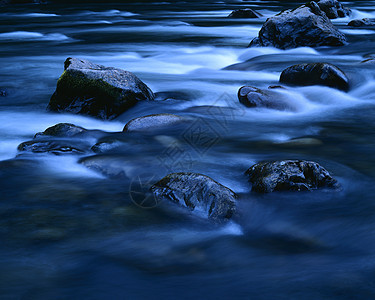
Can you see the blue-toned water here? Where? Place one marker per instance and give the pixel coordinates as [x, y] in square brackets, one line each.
[69, 232]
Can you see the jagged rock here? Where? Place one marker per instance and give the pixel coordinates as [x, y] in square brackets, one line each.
[253, 97]
[315, 74]
[62, 130]
[362, 22]
[289, 175]
[197, 192]
[333, 9]
[244, 13]
[305, 26]
[151, 122]
[103, 92]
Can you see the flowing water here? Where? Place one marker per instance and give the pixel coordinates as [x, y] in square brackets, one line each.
[69, 232]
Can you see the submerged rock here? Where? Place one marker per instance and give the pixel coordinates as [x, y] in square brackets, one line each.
[62, 130]
[57, 147]
[362, 22]
[315, 74]
[334, 9]
[151, 122]
[305, 26]
[289, 175]
[253, 97]
[103, 92]
[244, 13]
[197, 192]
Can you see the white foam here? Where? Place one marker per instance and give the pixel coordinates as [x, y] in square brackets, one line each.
[40, 15]
[357, 31]
[28, 35]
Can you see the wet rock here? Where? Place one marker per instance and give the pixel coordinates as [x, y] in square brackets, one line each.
[315, 74]
[62, 130]
[103, 92]
[57, 147]
[253, 97]
[151, 122]
[368, 61]
[198, 193]
[362, 22]
[333, 9]
[247, 13]
[305, 26]
[289, 175]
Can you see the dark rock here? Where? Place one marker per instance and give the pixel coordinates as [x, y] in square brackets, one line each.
[90, 89]
[151, 122]
[244, 13]
[57, 147]
[62, 130]
[198, 193]
[315, 74]
[3, 93]
[253, 97]
[333, 9]
[289, 175]
[306, 25]
[362, 22]
[368, 61]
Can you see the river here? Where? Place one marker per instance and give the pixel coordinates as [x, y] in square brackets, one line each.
[69, 232]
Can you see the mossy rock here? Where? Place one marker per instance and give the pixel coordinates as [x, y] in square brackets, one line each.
[95, 90]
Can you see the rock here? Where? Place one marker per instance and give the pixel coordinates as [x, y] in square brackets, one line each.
[62, 130]
[90, 89]
[151, 122]
[305, 26]
[368, 61]
[289, 175]
[53, 146]
[315, 74]
[3, 93]
[362, 22]
[244, 13]
[253, 97]
[333, 9]
[198, 193]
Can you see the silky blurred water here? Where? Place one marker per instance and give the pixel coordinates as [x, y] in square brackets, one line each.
[69, 232]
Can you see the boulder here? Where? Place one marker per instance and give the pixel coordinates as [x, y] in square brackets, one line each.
[289, 175]
[199, 193]
[151, 122]
[333, 9]
[62, 130]
[362, 22]
[253, 97]
[247, 13]
[315, 74]
[305, 26]
[95, 90]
